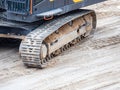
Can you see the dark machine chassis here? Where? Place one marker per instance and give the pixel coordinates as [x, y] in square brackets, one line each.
[31, 13]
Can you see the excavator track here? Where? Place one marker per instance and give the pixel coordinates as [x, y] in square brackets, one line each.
[45, 42]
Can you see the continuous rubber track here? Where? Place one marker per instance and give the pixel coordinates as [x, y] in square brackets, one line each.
[30, 48]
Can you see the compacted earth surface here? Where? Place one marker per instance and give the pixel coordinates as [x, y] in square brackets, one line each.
[91, 65]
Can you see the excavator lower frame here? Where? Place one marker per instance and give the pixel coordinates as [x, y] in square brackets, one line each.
[50, 39]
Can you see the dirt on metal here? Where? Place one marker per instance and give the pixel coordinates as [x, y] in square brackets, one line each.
[93, 64]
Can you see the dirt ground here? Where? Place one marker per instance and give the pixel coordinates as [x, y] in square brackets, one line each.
[90, 65]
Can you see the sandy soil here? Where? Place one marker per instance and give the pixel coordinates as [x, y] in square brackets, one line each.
[90, 65]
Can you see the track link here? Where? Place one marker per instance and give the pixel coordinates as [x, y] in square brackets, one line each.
[30, 48]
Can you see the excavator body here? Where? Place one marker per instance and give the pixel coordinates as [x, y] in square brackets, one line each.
[46, 27]
[34, 10]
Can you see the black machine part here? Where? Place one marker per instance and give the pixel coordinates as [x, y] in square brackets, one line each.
[34, 10]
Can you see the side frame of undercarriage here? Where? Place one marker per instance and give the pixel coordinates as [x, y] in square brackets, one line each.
[52, 38]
